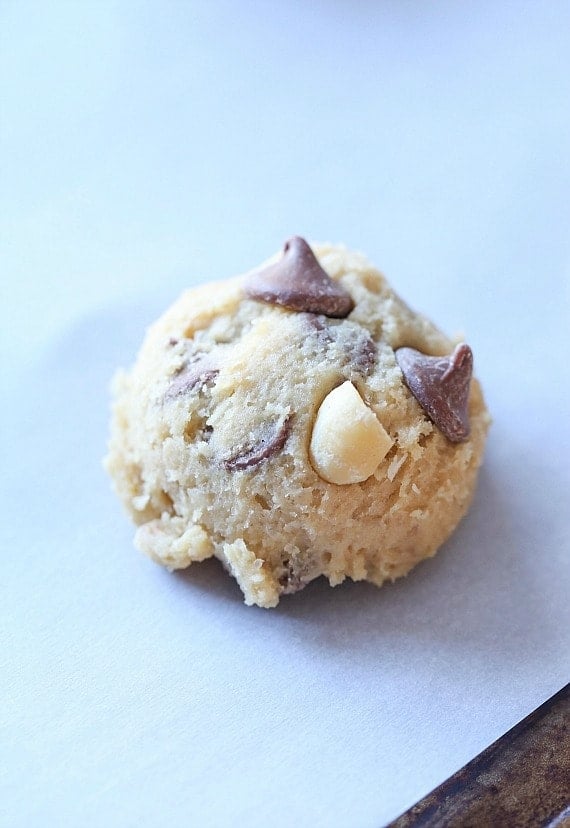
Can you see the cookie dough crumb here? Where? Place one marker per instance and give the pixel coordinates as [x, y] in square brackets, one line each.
[256, 584]
[171, 542]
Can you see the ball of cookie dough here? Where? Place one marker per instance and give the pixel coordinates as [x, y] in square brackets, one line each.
[297, 421]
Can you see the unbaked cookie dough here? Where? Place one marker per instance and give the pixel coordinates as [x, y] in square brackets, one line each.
[297, 421]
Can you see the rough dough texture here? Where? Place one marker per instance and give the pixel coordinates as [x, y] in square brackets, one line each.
[211, 435]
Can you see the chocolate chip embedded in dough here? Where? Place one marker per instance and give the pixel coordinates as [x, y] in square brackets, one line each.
[290, 581]
[441, 386]
[271, 440]
[317, 324]
[358, 344]
[364, 354]
[298, 282]
[197, 373]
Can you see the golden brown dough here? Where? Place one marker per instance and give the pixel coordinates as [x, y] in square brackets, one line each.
[212, 447]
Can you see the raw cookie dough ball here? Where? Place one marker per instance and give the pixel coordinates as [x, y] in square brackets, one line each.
[297, 421]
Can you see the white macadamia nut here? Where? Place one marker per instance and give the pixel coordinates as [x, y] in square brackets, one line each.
[348, 441]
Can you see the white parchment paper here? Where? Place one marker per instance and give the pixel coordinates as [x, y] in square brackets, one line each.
[149, 147]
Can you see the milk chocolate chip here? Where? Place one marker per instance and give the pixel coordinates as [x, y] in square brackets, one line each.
[197, 373]
[357, 343]
[364, 354]
[441, 386]
[298, 282]
[270, 442]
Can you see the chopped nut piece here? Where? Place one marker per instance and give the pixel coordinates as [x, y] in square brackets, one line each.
[348, 440]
